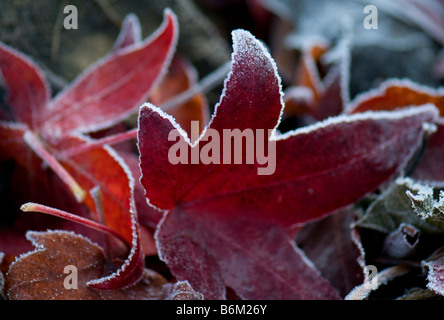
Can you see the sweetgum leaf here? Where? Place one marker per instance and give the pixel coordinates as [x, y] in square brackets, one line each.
[254, 258]
[101, 96]
[181, 77]
[99, 78]
[228, 226]
[40, 274]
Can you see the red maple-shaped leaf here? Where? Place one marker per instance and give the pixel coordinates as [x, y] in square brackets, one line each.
[232, 224]
[39, 130]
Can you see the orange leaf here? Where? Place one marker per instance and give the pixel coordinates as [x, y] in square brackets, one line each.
[393, 94]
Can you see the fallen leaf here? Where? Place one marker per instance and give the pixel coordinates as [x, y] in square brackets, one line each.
[100, 97]
[122, 81]
[326, 95]
[62, 265]
[228, 226]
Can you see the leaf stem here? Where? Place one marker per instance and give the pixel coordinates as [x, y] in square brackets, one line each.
[206, 84]
[35, 207]
[90, 145]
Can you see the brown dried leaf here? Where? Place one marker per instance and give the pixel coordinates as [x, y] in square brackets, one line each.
[39, 275]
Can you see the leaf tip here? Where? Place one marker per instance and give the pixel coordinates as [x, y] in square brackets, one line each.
[28, 207]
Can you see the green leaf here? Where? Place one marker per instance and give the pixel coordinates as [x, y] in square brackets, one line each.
[402, 202]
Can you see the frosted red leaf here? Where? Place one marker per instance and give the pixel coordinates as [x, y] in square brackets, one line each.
[62, 260]
[227, 226]
[109, 91]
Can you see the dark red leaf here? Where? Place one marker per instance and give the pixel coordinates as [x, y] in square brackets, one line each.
[129, 272]
[251, 256]
[227, 225]
[330, 244]
[103, 95]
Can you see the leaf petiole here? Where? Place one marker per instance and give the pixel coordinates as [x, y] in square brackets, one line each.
[90, 145]
[35, 207]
